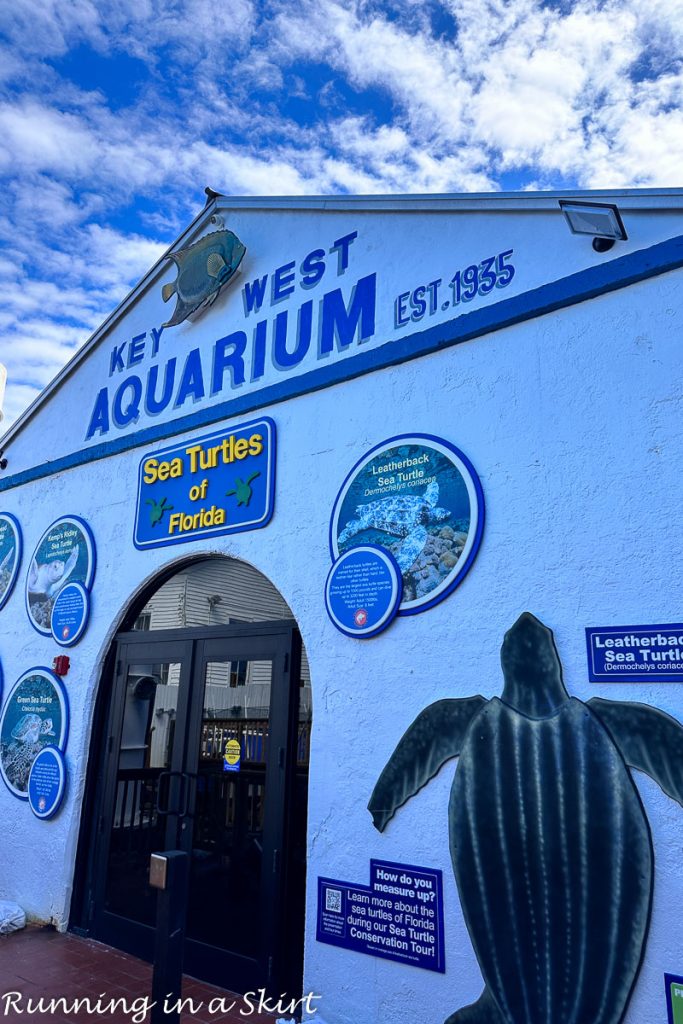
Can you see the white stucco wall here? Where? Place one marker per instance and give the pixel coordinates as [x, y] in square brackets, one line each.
[573, 422]
[405, 244]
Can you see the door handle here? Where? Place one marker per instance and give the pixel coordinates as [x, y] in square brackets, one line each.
[189, 778]
[186, 780]
[166, 775]
[159, 809]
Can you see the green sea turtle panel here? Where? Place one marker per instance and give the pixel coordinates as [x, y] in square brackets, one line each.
[35, 715]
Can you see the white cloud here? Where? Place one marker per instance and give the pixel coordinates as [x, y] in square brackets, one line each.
[17, 398]
[192, 28]
[280, 97]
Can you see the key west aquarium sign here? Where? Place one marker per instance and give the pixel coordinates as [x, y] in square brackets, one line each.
[216, 484]
[317, 318]
[268, 347]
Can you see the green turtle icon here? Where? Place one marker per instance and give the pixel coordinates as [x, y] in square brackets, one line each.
[158, 509]
[242, 489]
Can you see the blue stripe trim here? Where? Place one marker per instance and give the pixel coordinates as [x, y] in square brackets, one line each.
[568, 291]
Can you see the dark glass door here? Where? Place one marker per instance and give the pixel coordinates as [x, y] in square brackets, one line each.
[205, 754]
[141, 776]
[238, 809]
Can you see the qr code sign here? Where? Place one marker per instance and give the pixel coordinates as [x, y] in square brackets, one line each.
[333, 900]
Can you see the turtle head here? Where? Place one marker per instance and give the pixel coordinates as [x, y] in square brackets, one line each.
[532, 669]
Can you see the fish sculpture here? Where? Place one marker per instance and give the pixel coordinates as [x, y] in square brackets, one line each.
[551, 848]
[204, 268]
[50, 577]
[405, 516]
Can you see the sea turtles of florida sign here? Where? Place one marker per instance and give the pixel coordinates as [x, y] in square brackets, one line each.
[216, 484]
[35, 715]
[418, 497]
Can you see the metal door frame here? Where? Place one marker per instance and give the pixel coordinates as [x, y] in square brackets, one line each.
[193, 647]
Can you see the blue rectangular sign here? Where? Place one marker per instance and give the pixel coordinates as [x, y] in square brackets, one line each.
[399, 916]
[219, 483]
[635, 654]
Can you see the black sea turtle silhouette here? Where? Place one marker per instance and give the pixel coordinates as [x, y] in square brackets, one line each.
[550, 845]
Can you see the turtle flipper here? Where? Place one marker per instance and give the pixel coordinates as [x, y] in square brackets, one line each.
[434, 737]
[411, 548]
[648, 739]
[484, 1011]
[431, 495]
[349, 531]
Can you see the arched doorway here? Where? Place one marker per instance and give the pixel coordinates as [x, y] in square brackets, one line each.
[204, 731]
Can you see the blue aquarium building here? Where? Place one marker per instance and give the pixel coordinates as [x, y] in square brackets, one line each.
[261, 542]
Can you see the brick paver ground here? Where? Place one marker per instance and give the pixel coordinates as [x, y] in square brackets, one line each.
[40, 962]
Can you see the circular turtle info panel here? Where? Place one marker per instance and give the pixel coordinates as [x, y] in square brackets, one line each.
[65, 554]
[10, 554]
[46, 783]
[35, 715]
[419, 498]
[363, 591]
[70, 614]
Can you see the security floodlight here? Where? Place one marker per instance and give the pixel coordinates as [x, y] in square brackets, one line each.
[601, 220]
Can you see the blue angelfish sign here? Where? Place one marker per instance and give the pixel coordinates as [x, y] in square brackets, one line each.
[217, 484]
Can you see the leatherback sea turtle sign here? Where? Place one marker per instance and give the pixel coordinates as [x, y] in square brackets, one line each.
[420, 499]
[549, 840]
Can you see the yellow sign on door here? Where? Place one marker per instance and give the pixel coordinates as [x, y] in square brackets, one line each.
[231, 756]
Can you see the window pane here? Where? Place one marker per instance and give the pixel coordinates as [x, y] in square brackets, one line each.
[145, 749]
[217, 591]
[228, 820]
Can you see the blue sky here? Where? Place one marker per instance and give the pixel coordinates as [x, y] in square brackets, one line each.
[114, 115]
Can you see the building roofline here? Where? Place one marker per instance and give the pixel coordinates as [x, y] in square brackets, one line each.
[630, 199]
[580, 286]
